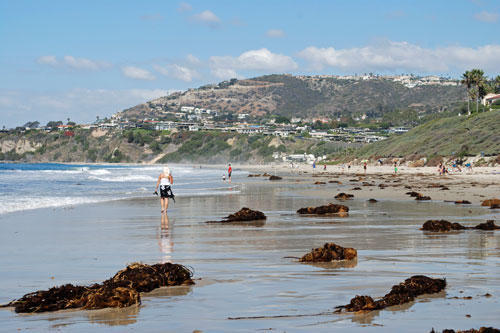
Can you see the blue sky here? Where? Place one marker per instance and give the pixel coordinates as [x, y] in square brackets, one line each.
[79, 59]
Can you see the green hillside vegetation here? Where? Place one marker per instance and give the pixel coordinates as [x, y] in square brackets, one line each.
[140, 145]
[461, 136]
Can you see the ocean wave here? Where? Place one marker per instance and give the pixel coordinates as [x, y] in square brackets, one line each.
[28, 203]
[125, 178]
[98, 172]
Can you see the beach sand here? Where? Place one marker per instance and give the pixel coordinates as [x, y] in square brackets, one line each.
[241, 269]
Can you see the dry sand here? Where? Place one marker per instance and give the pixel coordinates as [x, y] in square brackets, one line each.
[380, 182]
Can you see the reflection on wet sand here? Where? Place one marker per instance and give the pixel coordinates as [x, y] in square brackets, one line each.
[114, 316]
[335, 264]
[165, 241]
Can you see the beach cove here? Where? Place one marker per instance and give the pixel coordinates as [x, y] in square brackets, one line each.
[240, 269]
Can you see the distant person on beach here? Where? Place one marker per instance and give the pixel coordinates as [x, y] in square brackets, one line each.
[364, 167]
[395, 167]
[165, 180]
[468, 167]
[324, 167]
[229, 172]
[314, 165]
[349, 166]
[223, 178]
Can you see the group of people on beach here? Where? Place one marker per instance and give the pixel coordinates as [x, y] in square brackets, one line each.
[455, 167]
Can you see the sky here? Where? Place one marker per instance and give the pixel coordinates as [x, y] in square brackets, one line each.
[78, 59]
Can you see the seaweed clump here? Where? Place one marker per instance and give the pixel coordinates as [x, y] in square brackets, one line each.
[401, 293]
[243, 215]
[491, 202]
[344, 196]
[441, 226]
[330, 252]
[445, 226]
[121, 290]
[472, 330]
[325, 209]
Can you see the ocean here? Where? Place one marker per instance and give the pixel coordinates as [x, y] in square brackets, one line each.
[26, 186]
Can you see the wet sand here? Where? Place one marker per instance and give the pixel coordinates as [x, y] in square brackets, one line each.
[240, 269]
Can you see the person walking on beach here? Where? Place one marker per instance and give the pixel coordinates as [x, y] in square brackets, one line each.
[229, 172]
[364, 167]
[324, 167]
[165, 180]
[395, 168]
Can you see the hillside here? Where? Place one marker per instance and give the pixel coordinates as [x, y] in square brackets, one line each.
[466, 135]
[306, 96]
[149, 146]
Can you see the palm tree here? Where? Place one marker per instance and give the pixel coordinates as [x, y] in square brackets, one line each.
[467, 81]
[496, 84]
[479, 81]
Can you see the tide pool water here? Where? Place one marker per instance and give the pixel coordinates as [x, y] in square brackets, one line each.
[41, 185]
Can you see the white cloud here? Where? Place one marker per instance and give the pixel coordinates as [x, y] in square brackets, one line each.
[47, 60]
[184, 7]
[193, 60]
[137, 73]
[82, 63]
[275, 33]
[178, 72]
[253, 60]
[485, 16]
[207, 17]
[74, 63]
[396, 56]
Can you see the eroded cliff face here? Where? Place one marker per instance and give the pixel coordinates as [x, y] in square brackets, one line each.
[20, 146]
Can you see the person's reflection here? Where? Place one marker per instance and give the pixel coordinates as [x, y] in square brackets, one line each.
[165, 240]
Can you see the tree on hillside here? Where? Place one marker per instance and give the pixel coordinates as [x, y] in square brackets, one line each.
[496, 85]
[467, 81]
[479, 81]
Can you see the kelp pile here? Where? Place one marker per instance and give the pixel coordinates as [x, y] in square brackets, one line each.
[445, 226]
[243, 215]
[121, 290]
[418, 196]
[492, 203]
[481, 330]
[325, 209]
[401, 293]
[344, 196]
[330, 252]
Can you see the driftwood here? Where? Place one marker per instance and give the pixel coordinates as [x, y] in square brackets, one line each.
[120, 291]
[326, 209]
[275, 178]
[372, 200]
[401, 293]
[330, 252]
[445, 226]
[243, 215]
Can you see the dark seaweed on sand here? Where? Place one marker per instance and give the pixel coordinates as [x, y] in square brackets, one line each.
[401, 293]
[120, 291]
[329, 252]
[243, 215]
[445, 226]
[325, 209]
[472, 330]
